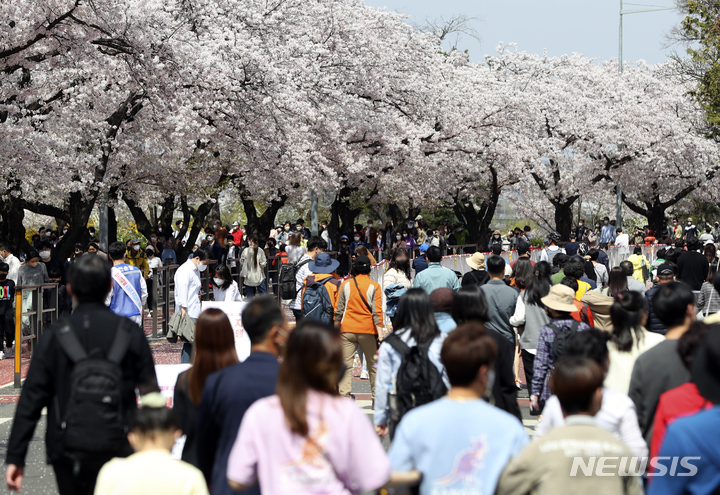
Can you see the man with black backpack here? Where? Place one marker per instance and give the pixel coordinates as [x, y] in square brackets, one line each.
[320, 289]
[551, 342]
[84, 371]
[298, 271]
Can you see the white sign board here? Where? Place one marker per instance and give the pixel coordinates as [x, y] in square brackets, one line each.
[234, 310]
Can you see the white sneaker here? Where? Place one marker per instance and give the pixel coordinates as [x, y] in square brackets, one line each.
[364, 375]
[2, 355]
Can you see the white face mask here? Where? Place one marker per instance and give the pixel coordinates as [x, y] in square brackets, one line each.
[299, 228]
[287, 229]
[357, 239]
[65, 231]
[202, 266]
[218, 281]
[45, 254]
[398, 237]
[405, 235]
[48, 234]
[324, 227]
[153, 239]
[136, 247]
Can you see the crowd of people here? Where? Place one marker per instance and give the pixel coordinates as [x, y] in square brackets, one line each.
[619, 362]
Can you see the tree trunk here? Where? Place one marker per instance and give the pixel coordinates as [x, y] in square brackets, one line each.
[112, 225]
[261, 225]
[199, 215]
[166, 216]
[12, 212]
[564, 216]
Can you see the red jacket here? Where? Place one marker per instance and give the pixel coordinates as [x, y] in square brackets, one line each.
[678, 402]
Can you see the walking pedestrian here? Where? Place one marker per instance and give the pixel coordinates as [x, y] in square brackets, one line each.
[305, 439]
[129, 289]
[85, 433]
[187, 291]
[229, 392]
[359, 315]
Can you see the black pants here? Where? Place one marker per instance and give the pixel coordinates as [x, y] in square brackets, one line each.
[80, 483]
[298, 315]
[528, 361]
[151, 295]
[7, 325]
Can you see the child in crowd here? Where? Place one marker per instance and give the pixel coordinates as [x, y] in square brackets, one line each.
[151, 470]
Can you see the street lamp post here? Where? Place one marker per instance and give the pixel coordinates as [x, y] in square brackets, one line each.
[649, 8]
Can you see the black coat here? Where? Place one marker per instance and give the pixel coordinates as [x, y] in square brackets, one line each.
[504, 390]
[48, 379]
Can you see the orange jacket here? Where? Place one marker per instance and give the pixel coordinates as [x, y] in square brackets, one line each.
[332, 284]
[352, 313]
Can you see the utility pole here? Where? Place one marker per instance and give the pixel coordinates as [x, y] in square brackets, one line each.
[649, 8]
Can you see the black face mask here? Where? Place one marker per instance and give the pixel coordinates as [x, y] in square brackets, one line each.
[3, 276]
[401, 263]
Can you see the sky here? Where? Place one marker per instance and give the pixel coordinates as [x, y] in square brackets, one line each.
[561, 27]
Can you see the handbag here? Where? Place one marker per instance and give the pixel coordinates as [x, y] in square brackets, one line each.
[645, 271]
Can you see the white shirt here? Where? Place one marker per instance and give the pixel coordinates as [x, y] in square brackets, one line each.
[393, 276]
[622, 240]
[622, 363]
[300, 275]
[326, 237]
[14, 265]
[518, 319]
[154, 262]
[187, 289]
[617, 415]
[553, 247]
[232, 293]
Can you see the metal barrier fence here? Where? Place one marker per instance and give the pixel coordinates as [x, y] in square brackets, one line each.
[36, 306]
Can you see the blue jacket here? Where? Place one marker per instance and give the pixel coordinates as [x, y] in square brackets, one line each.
[698, 437]
[227, 395]
[120, 303]
[419, 264]
[435, 277]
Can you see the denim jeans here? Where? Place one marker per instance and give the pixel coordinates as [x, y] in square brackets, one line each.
[251, 291]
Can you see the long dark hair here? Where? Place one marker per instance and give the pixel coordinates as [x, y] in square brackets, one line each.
[539, 284]
[470, 305]
[617, 281]
[415, 314]
[313, 360]
[254, 239]
[224, 273]
[626, 314]
[393, 262]
[522, 273]
[214, 349]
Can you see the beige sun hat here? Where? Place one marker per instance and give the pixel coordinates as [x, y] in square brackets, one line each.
[477, 261]
[560, 298]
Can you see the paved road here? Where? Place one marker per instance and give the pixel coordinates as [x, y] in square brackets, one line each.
[39, 477]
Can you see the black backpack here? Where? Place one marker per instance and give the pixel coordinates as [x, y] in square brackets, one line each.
[287, 279]
[418, 380]
[561, 336]
[94, 421]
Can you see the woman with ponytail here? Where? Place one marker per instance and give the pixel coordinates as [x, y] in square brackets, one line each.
[253, 262]
[629, 338]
